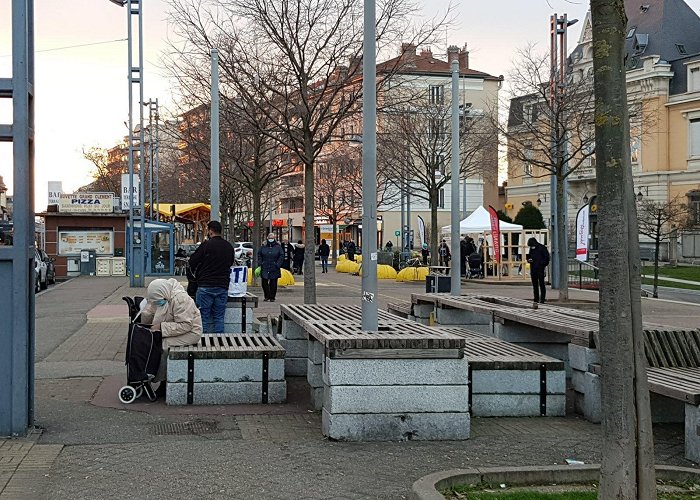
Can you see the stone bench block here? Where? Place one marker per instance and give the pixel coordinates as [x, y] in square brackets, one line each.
[523, 334]
[516, 405]
[295, 348]
[592, 405]
[292, 331]
[317, 398]
[445, 316]
[578, 382]
[396, 426]
[580, 357]
[225, 370]
[295, 367]
[314, 374]
[396, 399]
[316, 351]
[422, 311]
[516, 382]
[373, 372]
[224, 393]
[233, 320]
[692, 439]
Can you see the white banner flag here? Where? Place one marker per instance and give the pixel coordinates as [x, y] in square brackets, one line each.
[582, 223]
[134, 191]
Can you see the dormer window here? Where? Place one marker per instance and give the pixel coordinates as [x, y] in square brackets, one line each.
[631, 31]
[681, 49]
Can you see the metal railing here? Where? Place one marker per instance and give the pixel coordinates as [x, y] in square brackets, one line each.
[583, 275]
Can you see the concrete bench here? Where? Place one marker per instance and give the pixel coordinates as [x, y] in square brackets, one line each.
[403, 381]
[508, 380]
[238, 317]
[227, 369]
[401, 309]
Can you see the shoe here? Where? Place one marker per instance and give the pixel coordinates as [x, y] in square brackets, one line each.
[271, 300]
[266, 300]
[542, 301]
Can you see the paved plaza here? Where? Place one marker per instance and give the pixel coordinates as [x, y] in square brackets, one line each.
[88, 445]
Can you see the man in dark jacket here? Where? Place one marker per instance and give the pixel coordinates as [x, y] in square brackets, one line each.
[539, 260]
[324, 250]
[351, 249]
[463, 254]
[211, 265]
[270, 258]
[288, 253]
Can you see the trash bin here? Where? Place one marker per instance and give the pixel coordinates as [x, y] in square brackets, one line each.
[437, 283]
[88, 262]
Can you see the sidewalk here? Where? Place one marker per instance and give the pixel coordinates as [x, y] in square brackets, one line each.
[91, 446]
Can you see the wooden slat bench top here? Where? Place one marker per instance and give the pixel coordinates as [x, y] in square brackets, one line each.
[231, 346]
[399, 307]
[668, 348]
[676, 383]
[507, 356]
[468, 335]
[343, 330]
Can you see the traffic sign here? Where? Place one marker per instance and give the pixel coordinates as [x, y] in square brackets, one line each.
[397, 233]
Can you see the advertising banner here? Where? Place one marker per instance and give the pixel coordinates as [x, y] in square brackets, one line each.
[495, 233]
[86, 203]
[73, 242]
[582, 228]
[55, 190]
[134, 191]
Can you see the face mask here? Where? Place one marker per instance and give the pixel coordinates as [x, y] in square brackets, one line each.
[161, 303]
[271, 240]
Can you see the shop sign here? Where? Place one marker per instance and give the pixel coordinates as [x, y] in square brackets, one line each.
[86, 203]
[74, 242]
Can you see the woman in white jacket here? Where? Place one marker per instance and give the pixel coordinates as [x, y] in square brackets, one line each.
[173, 312]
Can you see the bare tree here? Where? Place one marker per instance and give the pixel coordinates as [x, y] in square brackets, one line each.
[627, 468]
[549, 133]
[302, 60]
[657, 220]
[415, 145]
[107, 174]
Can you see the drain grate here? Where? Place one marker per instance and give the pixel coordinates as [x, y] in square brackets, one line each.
[185, 428]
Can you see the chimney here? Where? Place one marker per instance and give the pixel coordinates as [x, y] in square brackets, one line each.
[426, 53]
[408, 54]
[453, 54]
[355, 64]
[464, 58]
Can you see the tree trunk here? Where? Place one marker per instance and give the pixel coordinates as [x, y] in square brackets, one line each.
[309, 264]
[434, 234]
[334, 246]
[657, 245]
[257, 226]
[563, 245]
[627, 468]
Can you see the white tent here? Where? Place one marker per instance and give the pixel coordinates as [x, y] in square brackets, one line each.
[479, 221]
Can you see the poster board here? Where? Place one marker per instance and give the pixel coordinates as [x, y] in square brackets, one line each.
[73, 242]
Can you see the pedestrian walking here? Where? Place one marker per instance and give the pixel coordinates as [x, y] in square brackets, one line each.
[323, 252]
[444, 254]
[270, 258]
[288, 252]
[539, 260]
[211, 265]
[298, 258]
[389, 246]
[351, 249]
[425, 253]
[171, 311]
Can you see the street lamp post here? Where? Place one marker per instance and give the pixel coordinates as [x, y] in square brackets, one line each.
[214, 120]
[369, 170]
[455, 281]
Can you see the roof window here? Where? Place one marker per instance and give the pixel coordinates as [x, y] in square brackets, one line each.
[681, 49]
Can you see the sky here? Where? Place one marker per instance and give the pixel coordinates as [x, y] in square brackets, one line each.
[81, 68]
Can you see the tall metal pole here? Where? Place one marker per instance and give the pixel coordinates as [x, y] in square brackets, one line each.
[157, 158]
[554, 106]
[369, 171]
[17, 260]
[150, 159]
[403, 246]
[456, 278]
[214, 120]
[142, 152]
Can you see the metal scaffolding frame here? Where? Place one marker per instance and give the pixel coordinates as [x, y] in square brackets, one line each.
[17, 260]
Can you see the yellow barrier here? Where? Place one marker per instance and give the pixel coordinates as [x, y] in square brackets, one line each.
[412, 274]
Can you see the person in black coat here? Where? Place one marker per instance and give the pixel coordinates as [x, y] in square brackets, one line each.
[288, 251]
[298, 259]
[425, 253]
[463, 254]
[539, 260]
[351, 249]
[270, 257]
[323, 252]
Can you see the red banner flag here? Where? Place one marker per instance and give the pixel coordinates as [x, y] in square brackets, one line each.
[495, 234]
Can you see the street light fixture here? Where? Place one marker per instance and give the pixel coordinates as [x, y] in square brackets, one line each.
[640, 195]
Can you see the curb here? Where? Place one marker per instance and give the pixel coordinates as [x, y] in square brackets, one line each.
[427, 487]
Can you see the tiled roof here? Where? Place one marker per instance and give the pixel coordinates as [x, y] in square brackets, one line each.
[425, 63]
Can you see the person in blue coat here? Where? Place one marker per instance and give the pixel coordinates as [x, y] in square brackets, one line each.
[270, 258]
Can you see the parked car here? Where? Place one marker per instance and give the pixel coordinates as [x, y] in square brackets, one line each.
[50, 268]
[40, 278]
[243, 248]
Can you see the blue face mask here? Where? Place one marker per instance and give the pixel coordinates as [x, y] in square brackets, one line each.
[161, 303]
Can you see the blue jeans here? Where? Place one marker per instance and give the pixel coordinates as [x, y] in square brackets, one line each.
[212, 305]
[324, 263]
